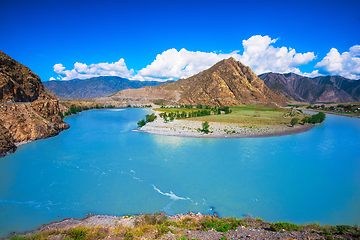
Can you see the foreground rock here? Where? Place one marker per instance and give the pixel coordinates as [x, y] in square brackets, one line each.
[184, 226]
[27, 112]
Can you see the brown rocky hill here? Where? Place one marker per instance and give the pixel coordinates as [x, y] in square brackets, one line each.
[313, 90]
[27, 112]
[18, 83]
[227, 83]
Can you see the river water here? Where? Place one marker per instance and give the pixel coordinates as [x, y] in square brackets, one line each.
[100, 166]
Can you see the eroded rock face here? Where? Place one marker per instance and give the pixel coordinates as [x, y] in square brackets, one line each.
[27, 112]
[18, 83]
[23, 122]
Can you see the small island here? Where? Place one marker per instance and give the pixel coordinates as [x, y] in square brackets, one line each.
[244, 121]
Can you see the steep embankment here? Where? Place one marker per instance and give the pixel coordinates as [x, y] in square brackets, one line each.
[27, 112]
[227, 83]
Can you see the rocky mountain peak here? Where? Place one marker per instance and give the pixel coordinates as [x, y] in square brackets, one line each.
[228, 82]
[18, 83]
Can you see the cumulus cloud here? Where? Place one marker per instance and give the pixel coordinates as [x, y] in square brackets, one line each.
[258, 53]
[173, 64]
[262, 56]
[346, 64]
[52, 79]
[82, 70]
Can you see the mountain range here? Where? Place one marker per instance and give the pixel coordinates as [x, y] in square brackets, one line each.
[219, 85]
[313, 90]
[94, 87]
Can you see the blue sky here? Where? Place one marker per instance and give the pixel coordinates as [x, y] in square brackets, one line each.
[157, 40]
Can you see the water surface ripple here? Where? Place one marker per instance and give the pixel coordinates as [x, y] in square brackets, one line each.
[100, 166]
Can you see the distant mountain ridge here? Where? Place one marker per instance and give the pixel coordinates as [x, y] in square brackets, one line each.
[227, 83]
[313, 90]
[94, 87]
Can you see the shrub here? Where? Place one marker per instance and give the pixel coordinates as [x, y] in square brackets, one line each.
[284, 225]
[220, 224]
[294, 121]
[141, 123]
[77, 233]
[205, 127]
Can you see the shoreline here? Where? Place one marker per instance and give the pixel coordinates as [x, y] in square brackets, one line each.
[189, 128]
[179, 226]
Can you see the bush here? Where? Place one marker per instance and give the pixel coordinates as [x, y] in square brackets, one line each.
[316, 118]
[294, 121]
[284, 225]
[220, 224]
[150, 118]
[205, 127]
[141, 123]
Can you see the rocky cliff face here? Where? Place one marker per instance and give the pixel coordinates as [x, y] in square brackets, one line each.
[313, 90]
[227, 83]
[18, 83]
[27, 112]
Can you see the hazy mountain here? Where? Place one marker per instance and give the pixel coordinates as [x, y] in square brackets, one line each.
[227, 83]
[94, 87]
[313, 90]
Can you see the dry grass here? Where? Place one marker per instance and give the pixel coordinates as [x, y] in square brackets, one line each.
[251, 115]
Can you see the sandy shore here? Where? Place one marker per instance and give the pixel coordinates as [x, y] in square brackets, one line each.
[189, 128]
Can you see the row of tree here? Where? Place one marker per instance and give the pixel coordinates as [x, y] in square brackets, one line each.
[76, 109]
[204, 112]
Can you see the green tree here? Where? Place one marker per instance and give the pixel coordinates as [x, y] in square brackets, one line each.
[205, 127]
[294, 121]
[141, 123]
[150, 118]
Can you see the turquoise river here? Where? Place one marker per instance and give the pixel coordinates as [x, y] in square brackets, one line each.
[100, 166]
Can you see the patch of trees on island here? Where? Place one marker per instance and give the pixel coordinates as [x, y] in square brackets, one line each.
[170, 116]
[316, 118]
[205, 111]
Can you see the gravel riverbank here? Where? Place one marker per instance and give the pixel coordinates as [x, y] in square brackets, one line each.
[190, 128]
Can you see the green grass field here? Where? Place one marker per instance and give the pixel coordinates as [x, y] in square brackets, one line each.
[244, 115]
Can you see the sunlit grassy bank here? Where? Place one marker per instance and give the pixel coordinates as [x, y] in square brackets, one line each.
[242, 115]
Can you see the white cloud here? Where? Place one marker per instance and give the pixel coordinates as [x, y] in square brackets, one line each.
[52, 79]
[173, 64]
[262, 57]
[346, 64]
[82, 71]
[58, 68]
[258, 53]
